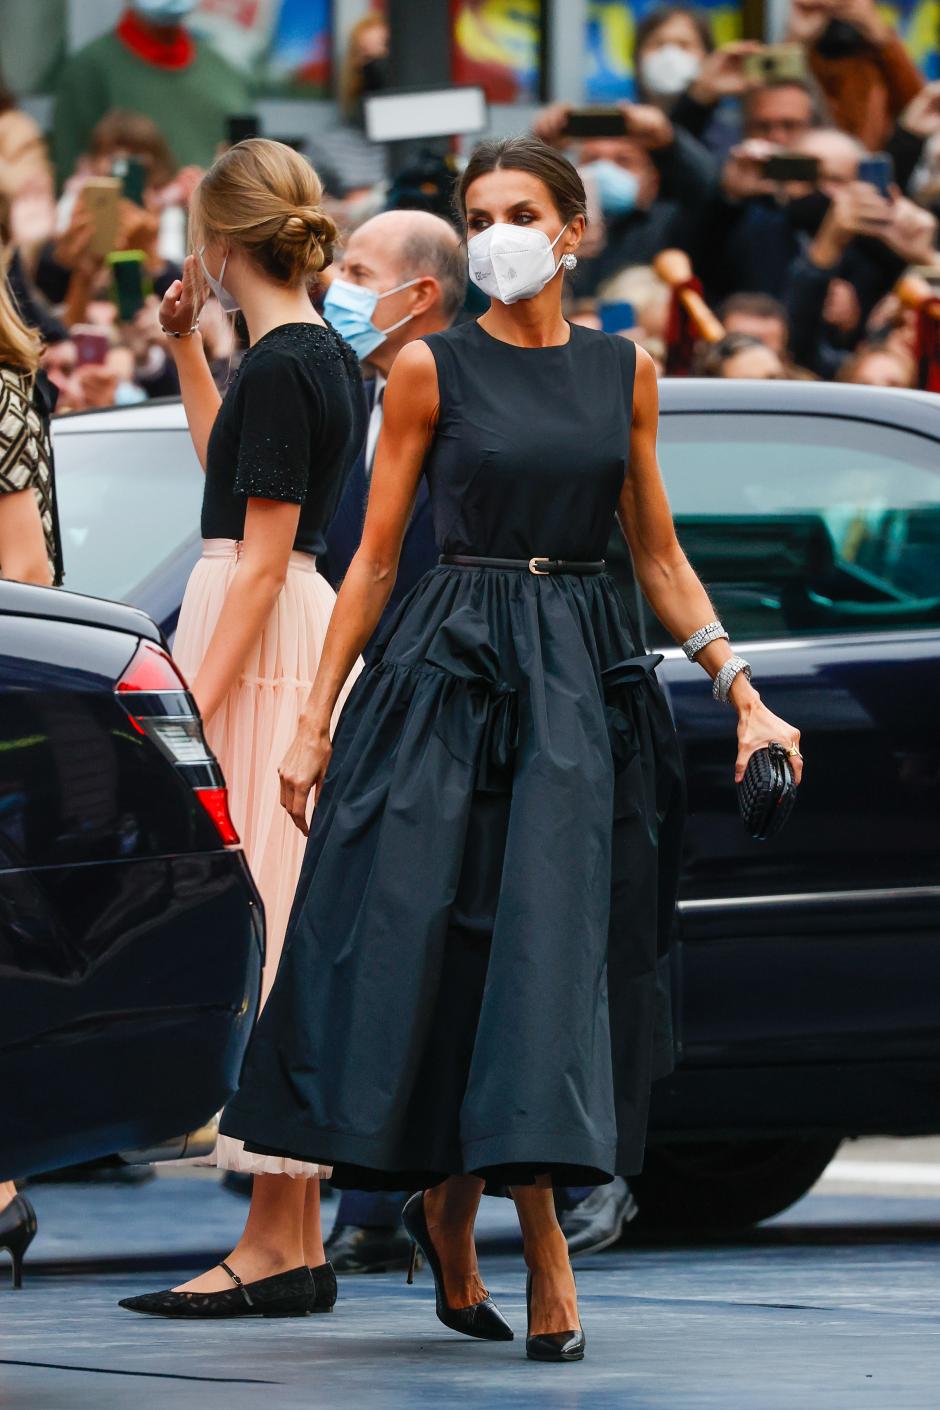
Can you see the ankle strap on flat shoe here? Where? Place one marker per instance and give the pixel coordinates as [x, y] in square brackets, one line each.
[237, 1281]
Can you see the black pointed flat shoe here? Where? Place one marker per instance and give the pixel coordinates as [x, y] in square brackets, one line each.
[17, 1231]
[482, 1319]
[552, 1346]
[283, 1295]
[322, 1296]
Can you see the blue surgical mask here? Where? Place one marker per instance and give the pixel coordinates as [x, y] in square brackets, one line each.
[128, 394]
[349, 307]
[617, 188]
[164, 11]
[228, 301]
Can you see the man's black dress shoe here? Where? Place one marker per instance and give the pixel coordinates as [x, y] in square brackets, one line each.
[284, 1295]
[598, 1221]
[352, 1249]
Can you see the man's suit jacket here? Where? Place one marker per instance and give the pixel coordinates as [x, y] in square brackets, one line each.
[419, 549]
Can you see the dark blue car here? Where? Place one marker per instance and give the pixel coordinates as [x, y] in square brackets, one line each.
[807, 969]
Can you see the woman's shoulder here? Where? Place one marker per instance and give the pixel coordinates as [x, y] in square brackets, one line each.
[299, 353]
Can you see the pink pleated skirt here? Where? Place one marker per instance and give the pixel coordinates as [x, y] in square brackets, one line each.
[249, 734]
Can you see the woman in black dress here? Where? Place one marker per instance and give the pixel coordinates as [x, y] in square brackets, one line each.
[467, 993]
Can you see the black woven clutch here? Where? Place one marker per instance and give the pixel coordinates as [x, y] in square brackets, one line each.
[767, 792]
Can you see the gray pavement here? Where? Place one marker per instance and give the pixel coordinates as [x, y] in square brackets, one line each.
[833, 1306]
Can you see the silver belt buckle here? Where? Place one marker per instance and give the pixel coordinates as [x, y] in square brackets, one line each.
[539, 572]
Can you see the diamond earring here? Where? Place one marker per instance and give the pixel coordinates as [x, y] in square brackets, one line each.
[570, 261]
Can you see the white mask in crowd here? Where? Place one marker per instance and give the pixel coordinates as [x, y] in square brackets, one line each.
[511, 262]
[669, 70]
[164, 11]
[228, 301]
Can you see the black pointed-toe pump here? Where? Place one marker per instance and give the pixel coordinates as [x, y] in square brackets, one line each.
[17, 1230]
[551, 1346]
[482, 1319]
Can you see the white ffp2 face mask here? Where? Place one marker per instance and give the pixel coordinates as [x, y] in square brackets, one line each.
[511, 262]
[669, 70]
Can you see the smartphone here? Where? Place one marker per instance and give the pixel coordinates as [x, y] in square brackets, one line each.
[132, 174]
[596, 122]
[240, 126]
[878, 171]
[130, 284]
[776, 63]
[616, 317]
[100, 196]
[791, 166]
[91, 344]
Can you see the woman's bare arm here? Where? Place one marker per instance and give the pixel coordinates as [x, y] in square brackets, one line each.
[201, 399]
[22, 541]
[270, 530]
[409, 415]
[665, 575]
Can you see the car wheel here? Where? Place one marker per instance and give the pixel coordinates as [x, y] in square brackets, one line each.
[726, 1184]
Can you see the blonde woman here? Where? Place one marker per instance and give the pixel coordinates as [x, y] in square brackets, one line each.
[276, 450]
[30, 553]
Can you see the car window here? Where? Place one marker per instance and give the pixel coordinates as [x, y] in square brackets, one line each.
[804, 525]
[127, 500]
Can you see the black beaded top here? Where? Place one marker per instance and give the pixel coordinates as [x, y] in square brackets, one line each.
[290, 427]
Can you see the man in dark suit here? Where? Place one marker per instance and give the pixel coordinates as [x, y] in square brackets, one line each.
[415, 264]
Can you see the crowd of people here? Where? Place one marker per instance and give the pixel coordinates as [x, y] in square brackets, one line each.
[801, 180]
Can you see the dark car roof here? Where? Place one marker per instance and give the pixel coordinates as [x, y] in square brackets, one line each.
[26, 600]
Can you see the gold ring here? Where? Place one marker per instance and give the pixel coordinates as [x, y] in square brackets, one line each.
[793, 750]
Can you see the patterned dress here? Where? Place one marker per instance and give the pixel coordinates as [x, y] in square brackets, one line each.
[26, 453]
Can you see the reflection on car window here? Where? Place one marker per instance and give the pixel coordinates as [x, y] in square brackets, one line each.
[806, 525]
[127, 501]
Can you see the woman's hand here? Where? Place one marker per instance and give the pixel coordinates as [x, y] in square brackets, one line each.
[758, 727]
[183, 300]
[304, 768]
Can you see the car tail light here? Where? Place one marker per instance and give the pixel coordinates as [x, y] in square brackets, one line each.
[160, 707]
[215, 802]
[150, 669]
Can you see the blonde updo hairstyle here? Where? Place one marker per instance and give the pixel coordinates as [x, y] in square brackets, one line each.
[264, 198]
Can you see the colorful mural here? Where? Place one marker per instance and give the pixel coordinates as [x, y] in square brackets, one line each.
[497, 43]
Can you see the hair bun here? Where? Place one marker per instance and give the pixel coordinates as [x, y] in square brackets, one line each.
[307, 236]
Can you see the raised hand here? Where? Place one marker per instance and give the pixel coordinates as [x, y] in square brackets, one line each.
[647, 125]
[183, 300]
[722, 74]
[922, 114]
[808, 19]
[911, 232]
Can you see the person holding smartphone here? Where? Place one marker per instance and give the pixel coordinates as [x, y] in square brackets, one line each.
[276, 450]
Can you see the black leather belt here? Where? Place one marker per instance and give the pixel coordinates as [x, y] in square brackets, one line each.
[541, 567]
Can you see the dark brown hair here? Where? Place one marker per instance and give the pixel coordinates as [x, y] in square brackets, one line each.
[525, 154]
[655, 20]
[123, 130]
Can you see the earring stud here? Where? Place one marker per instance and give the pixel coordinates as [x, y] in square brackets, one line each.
[570, 261]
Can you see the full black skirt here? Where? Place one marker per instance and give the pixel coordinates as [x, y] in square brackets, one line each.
[469, 980]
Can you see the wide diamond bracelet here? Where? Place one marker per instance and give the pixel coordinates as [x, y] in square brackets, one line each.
[732, 668]
[712, 631]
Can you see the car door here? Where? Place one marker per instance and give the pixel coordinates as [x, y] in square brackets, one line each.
[818, 537]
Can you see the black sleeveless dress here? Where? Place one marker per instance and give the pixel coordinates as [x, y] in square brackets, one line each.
[469, 977]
